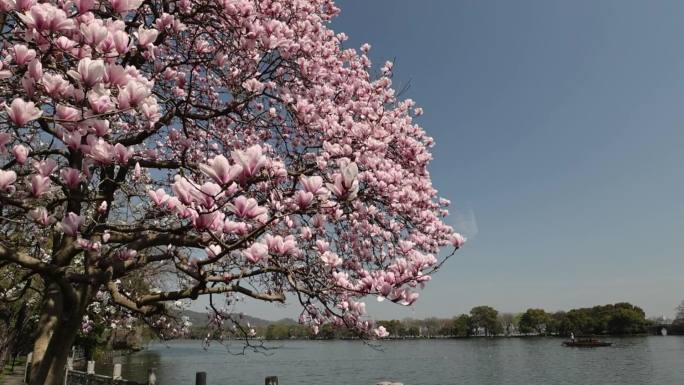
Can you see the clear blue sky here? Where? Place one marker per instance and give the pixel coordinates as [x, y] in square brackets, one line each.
[560, 141]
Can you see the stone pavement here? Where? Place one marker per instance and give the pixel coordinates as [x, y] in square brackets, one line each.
[16, 378]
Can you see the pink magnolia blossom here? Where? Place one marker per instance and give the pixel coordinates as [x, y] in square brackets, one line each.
[137, 171]
[45, 167]
[303, 199]
[132, 95]
[247, 207]
[67, 113]
[346, 185]
[121, 41]
[253, 86]
[64, 43]
[35, 69]
[99, 150]
[29, 86]
[86, 244]
[39, 185]
[122, 154]
[206, 194]
[55, 85]
[100, 103]
[173, 204]
[23, 54]
[458, 240]
[341, 279]
[7, 5]
[147, 36]
[24, 5]
[313, 184]
[182, 189]
[220, 170]
[71, 224]
[213, 251]
[47, 17]
[331, 259]
[277, 245]
[21, 112]
[72, 140]
[159, 196]
[89, 71]
[120, 76]
[100, 127]
[251, 160]
[42, 216]
[256, 253]
[20, 153]
[121, 6]
[84, 6]
[239, 228]
[322, 245]
[71, 177]
[212, 220]
[7, 179]
[380, 332]
[93, 34]
[126, 254]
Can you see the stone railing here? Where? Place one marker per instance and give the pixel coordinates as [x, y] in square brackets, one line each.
[89, 377]
[76, 377]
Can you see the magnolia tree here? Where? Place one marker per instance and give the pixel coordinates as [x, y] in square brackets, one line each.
[213, 147]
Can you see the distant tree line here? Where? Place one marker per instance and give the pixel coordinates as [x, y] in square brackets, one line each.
[615, 319]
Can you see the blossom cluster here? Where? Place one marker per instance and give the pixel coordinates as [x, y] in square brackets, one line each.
[232, 140]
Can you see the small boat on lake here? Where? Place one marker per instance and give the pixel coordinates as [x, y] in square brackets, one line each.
[586, 343]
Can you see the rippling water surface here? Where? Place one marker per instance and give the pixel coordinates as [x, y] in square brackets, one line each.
[509, 361]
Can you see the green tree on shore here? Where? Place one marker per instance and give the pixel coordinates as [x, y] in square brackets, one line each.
[619, 318]
[485, 317]
[534, 321]
[463, 326]
[507, 322]
[627, 319]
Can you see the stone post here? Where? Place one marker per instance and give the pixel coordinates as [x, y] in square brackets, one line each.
[116, 374]
[91, 367]
[27, 371]
[151, 376]
[201, 378]
[69, 366]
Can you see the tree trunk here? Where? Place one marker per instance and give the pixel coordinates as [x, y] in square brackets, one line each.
[57, 331]
[52, 303]
[51, 368]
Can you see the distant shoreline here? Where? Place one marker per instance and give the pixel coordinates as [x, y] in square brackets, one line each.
[440, 337]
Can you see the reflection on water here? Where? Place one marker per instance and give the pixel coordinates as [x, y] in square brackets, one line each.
[512, 361]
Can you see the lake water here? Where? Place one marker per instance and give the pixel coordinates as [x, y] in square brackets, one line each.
[510, 361]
